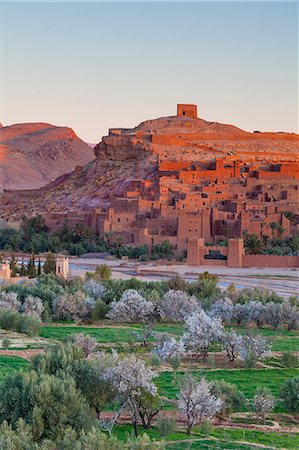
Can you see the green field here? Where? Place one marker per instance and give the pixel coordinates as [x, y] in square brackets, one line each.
[282, 340]
[220, 438]
[9, 364]
[102, 335]
[246, 380]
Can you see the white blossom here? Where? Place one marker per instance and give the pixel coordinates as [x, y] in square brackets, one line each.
[177, 305]
[75, 306]
[132, 307]
[255, 346]
[85, 342]
[254, 311]
[131, 378]
[33, 306]
[273, 314]
[9, 300]
[231, 342]
[223, 309]
[264, 403]
[196, 402]
[201, 332]
[95, 289]
[290, 316]
[170, 348]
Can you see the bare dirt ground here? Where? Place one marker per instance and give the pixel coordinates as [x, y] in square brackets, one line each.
[26, 354]
[284, 281]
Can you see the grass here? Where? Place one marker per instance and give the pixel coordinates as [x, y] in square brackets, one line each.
[220, 438]
[9, 364]
[246, 380]
[102, 335]
[282, 339]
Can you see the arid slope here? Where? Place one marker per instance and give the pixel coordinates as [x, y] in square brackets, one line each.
[33, 154]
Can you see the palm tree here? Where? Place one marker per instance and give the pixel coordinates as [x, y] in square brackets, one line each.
[280, 230]
[273, 226]
[289, 215]
[253, 244]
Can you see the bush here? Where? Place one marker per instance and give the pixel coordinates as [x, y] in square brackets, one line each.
[155, 360]
[13, 320]
[232, 399]
[100, 310]
[175, 362]
[10, 319]
[30, 326]
[289, 360]
[206, 428]
[289, 392]
[103, 272]
[6, 343]
[165, 426]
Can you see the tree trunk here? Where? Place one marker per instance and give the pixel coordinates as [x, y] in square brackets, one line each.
[135, 426]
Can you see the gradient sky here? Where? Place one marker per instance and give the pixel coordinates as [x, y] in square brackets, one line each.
[92, 66]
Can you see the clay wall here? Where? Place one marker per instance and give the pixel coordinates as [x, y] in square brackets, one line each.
[270, 261]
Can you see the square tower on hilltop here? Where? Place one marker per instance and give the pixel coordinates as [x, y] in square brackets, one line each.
[187, 111]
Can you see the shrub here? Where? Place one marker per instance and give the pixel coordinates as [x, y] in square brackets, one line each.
[10, 319]
[206, 428]
[263, 403]
[103, 272]
[232, 399]
[30, 326]
[100, 311]
[166, 426]
[175, 362]
[155, 360]
[289, 359]
[6, 343]
[289, 392]
[13, 320]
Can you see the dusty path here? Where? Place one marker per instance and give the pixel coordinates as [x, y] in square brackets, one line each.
[125, 419]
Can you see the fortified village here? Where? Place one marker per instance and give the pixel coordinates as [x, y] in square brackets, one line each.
[207, 182]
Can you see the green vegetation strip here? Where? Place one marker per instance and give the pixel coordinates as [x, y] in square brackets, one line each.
[9, 364]
[282, 340]
[220, 438]
[247, 380]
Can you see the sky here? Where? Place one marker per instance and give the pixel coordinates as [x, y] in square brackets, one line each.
[94, 66]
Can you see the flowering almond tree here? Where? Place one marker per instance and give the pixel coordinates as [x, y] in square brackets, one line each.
[132, 380]
[196, 402]
[132, 307]
[9, 300]
[176, 305]
[33, 306]
[252, 348]
[201, 332]
[264, 403]
[230, 341]
[170, 348]
[87, 343]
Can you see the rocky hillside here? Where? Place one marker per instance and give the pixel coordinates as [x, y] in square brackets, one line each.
[127, 154]
[34, 154]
